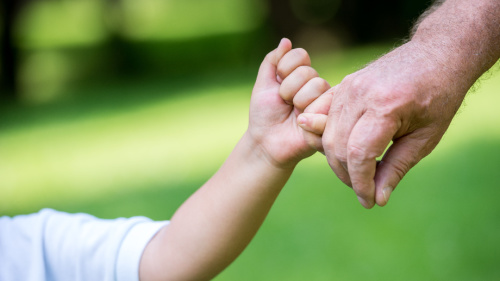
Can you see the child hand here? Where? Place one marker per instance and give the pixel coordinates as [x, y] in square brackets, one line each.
[285, 86]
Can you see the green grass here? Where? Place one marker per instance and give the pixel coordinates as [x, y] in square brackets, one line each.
[129, 148]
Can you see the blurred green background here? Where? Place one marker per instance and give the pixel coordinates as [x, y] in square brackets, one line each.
[124, 108]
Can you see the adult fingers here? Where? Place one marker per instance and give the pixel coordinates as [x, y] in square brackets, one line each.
[267, 72]
[403, 154]
[368, 140]
[295, 81]
[313, 89]
[330, 137]
[346, 120]
[313, 123]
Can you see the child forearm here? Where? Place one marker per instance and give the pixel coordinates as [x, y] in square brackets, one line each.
[217, 222]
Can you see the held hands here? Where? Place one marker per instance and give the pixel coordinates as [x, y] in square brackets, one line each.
[404, 97]
[285, 86]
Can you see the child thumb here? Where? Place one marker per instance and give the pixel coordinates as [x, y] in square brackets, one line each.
[267, 76]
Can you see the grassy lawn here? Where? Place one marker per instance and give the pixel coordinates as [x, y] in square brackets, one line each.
[126, 149]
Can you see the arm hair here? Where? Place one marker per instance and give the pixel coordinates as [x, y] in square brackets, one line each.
[435, 5]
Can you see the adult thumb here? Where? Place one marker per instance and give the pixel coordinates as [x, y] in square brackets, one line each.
[401, 156]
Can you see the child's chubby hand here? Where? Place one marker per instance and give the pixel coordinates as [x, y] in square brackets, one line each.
[286, 85]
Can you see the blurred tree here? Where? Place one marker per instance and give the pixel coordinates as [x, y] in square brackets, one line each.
[346, 21]
[282, 18]
[361, 20]
[9, 53]
[369, 21]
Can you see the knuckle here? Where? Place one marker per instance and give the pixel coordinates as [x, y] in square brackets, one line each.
[285, 95]
[347, 79]
[390, 101]
[299, 103]
[362, 191]
[301, 54]
[281, 72]
[341, 155]
[306, 71]
[399, 167]
[358, 87]
[357, 153]
[402, 165]
[319, 83]
[355, 82]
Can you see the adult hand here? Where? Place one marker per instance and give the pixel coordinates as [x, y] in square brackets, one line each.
[408, 97]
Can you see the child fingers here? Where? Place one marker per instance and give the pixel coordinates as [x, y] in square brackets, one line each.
[291, 60]
[311, 91]
[322, 104]
[295, 81]
[313, 123]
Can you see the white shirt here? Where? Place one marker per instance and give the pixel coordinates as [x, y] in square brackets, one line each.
[53, 246]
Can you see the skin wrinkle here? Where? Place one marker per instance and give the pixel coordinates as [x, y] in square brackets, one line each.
[316, 83]
[299, 52]
[295, 81]
[422, 83]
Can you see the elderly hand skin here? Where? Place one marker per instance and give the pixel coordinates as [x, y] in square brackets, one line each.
[409, 97]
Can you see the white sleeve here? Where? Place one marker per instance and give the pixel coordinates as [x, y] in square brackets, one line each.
[130, 253]
[52, 245]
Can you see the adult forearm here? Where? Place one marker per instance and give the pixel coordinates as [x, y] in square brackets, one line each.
[435, 5]
[409, 96]
[463, 35]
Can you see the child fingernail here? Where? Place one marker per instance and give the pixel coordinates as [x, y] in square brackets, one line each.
[281, 41]
[301, 120]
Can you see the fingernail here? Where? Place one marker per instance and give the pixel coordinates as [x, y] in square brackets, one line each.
[301, 120]
[387, 193]
[365, 203]
[281, 41]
